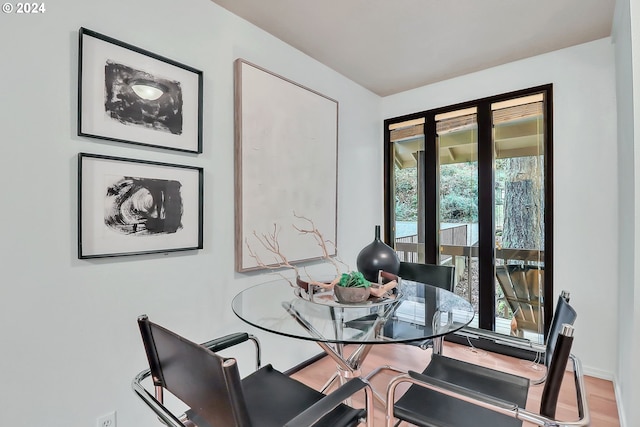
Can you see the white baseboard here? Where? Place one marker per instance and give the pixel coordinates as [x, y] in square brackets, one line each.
[598, 373]
[605, 375]
[620, 403]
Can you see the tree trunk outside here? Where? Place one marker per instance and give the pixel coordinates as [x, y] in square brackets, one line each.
[523, 219]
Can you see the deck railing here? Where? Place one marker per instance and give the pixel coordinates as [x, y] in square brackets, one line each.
[409, 249]
[451, 251]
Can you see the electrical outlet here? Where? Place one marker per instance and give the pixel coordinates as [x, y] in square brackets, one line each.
[107, 420]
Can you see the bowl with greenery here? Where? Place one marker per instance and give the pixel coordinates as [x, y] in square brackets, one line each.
[352, 288]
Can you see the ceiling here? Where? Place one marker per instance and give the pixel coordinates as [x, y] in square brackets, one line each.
[389, 46]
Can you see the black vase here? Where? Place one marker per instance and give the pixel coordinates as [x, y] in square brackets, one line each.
[377, 256]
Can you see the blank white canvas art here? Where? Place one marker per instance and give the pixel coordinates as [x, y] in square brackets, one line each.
[286, 163]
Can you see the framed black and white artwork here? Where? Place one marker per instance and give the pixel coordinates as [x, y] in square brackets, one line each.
[128, 94]
[133, 207]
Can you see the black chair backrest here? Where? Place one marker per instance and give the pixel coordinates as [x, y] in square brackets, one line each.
[563, 314]
[441, 276]
[207, 383]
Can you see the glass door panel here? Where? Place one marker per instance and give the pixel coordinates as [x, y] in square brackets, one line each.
[457, 140]
[407, 139]
[518, 138]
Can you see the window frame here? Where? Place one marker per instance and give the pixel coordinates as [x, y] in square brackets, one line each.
[486, 194]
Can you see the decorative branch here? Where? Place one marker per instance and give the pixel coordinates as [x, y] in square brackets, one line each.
[270, 243]
[382, 290]
[321, 242]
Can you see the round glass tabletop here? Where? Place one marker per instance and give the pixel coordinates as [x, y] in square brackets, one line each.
[417, 311]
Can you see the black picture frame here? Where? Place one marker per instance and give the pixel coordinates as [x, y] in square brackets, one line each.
[128, 94]
[134, 207]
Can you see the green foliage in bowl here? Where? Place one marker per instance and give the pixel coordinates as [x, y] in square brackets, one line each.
[354, 279]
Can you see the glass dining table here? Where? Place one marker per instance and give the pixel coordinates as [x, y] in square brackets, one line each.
[413, 311]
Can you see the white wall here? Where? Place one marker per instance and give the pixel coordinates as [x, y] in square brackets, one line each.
[632, 369]
[585, 176]
[70, 344]
[627, 44]
[626, 203]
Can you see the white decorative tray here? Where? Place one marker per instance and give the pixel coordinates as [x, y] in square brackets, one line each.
[327, 297]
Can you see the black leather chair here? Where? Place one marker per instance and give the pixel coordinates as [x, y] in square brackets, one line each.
[441, 276]
[210, 385]
[451, 392]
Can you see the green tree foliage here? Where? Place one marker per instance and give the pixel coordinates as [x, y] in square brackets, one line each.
[459, 192]
[458, 189]
[406, 194]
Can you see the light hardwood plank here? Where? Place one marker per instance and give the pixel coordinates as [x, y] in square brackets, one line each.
[600, 393]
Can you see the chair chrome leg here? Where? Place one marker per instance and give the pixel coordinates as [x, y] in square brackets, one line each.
[375, 372]
[437, 345]
[384, 368]
[369, 405]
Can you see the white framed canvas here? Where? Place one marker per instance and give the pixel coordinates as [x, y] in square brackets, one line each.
[285, 164]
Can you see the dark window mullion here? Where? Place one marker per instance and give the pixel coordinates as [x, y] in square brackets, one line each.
[548, 208]
[390, 218]
[486, 220]
[431, 192]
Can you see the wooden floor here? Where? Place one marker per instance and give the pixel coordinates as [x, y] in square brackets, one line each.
[601, 397]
